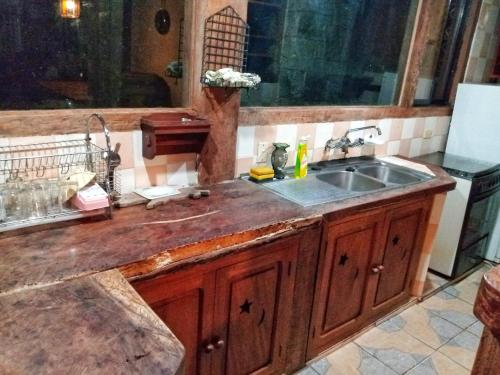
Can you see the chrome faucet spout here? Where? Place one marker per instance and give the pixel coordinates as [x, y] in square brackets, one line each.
[344, 143]
[379, 132]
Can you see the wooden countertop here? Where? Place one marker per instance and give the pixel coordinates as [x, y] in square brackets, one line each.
[91, 324]
[49, 277]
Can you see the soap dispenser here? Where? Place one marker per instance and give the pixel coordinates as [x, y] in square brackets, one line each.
[301, 160]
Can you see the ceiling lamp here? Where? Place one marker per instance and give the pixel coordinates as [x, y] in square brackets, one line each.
[70, 8]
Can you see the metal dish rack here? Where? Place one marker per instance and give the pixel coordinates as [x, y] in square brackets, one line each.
[54, 161]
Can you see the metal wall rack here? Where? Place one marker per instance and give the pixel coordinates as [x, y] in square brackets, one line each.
[225, 42]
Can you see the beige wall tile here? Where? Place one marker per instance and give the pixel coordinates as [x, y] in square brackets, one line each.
[404, 147]
[324, 132]
[151, 175]
[408, 128]
[181, 169]
[287, 134]
[393, 147]
[419, 127]
[245, 143]
[396, 129]
[340, 128]
[243, 165]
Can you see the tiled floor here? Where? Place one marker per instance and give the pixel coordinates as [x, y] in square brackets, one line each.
[438, 336]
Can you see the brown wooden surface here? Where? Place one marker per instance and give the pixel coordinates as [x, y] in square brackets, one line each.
[416, 53]
[303, 295]
[487, 361]
[463, 55]
[95, 324]
[487, 310]
[219, 105]
[68, 121]
[362, 273]
[202, 306]
[299, 115]
[344, 270]
[252, 311]
[143, 242]
[184, 301]
[487, 305]
[405, 230]
[168, 133]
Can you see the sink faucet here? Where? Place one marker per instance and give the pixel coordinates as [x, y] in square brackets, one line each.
[344, 142]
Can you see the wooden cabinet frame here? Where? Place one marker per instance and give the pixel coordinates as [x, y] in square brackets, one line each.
[203, 289]
[369, 261]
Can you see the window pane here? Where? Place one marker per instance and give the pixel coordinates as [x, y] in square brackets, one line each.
[316, 52]
[112, 55]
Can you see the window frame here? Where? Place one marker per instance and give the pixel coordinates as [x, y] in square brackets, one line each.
[17, 123]
[273, 115]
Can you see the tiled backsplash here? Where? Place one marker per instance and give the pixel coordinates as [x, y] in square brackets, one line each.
[134, 171]
[407, 137]
[399, 136]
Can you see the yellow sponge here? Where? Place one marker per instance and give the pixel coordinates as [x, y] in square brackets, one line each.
[262, 177]
[262, 171]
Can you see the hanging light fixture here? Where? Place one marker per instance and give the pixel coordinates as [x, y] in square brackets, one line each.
[70, 8]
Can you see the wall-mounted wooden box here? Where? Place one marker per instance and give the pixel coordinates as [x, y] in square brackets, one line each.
[172, 133]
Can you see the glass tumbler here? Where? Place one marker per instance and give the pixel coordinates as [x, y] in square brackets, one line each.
[39, 199]
[53, 196]
[3, 212]
[13, 201]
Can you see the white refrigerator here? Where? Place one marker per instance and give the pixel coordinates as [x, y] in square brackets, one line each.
[475, 133]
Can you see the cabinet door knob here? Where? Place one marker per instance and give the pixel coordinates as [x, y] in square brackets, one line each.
[375, 269]
[209, 348]
[381, 267]
[218, 343]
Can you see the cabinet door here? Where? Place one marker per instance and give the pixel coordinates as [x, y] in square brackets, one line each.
[397, 260]
[184, 301]
[252, 311]
[344, 270]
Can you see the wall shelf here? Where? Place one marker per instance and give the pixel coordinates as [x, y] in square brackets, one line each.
[173, 133]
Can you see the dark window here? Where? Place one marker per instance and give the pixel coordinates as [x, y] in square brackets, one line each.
[110, 56]
[344, 52]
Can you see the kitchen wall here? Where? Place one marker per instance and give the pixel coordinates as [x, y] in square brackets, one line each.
[399, 137]
[485, 43]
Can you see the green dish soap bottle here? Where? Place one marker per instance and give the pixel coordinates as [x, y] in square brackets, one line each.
[301, 160]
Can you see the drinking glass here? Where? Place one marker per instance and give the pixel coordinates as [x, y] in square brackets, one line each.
[38, 199]
[3, 212]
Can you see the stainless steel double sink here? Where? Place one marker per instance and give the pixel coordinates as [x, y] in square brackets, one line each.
[336, 180]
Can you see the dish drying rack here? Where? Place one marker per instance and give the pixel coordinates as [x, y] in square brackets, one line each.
[54, 161]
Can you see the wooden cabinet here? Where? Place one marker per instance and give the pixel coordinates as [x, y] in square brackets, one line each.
[396, 261]
[184, 301]
[233, 314]
[365, 269]
[345, 263]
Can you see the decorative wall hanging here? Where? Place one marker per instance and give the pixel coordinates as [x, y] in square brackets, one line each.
[162, 19]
